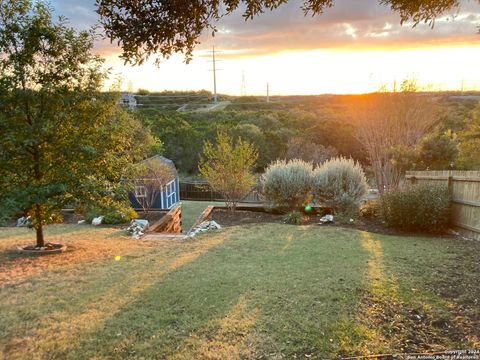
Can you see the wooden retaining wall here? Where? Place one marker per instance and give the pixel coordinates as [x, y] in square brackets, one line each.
[465, 189]
[171, 223]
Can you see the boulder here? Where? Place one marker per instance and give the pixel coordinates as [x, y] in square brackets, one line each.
[144, 224]
[205, 226]
[326, 219]
[137, 228]
[24, 221]
[97, 221]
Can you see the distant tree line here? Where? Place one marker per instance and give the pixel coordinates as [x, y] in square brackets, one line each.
[315, 131]
[275, 134]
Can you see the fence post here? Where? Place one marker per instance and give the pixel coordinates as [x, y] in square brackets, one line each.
[450, 185]
[413, 180]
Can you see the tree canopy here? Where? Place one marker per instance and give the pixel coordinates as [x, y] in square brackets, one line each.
[63, 141]
[147, 27]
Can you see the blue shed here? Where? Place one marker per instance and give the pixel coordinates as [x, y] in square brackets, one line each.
[161, 194]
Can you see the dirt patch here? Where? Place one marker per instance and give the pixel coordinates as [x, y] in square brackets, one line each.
[49, 248]
[240, 217]
[70, 217]
[409, 329]
[152, 216]
[259, 215]
[458, 283]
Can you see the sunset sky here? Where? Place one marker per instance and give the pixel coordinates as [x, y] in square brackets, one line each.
[355, 47]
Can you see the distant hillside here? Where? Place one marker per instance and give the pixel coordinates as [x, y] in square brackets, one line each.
[187, 101]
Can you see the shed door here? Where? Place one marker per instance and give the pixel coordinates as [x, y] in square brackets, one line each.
[171, 193]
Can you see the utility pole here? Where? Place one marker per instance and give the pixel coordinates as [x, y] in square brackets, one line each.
[215, 99]
[268, 92]
[463, 85]
[243, 89]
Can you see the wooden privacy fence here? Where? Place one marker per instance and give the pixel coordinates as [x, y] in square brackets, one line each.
[200, 190]
[464, 186]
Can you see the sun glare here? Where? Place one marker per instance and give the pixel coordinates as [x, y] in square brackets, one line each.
[312, 72]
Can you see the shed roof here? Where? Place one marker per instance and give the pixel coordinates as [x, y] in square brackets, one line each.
[161, 159]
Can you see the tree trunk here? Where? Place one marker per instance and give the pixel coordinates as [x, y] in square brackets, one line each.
[40, 240]
[39, 226]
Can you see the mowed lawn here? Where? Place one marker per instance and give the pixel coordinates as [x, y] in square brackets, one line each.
[267, 291]
[191, 210]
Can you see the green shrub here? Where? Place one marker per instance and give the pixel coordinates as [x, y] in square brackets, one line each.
[423, 208]
[371, 209]
[287, 185]
[112, 215]
[340, 183]
[294, 217]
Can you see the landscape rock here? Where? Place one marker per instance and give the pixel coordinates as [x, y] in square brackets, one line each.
[137, 228]
[97, 221]
[24, 221]
[80, 222]
[144, 224]
[135, 231]
[205, 226]
[327, 219]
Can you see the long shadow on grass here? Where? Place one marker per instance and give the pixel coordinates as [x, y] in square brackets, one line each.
[398, 313]
[251, 289]
[75, 313]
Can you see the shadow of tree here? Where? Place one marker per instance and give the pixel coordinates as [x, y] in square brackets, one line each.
[242, 291]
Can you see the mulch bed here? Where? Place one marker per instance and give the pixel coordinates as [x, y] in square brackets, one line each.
[241, 217]
[152, 216]
[49, 248]
[259, 216]
[71, 217]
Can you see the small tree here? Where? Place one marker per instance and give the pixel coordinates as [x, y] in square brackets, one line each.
[63, 141]
[469, 157]
[227, 167]
[387, 122]
[150, 182]
[299, 148]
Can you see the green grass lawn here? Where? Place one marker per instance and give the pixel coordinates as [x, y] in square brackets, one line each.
[267, 291]
[191, 210]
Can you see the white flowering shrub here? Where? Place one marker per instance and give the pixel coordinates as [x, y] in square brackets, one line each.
[340, 183]
[287, 185]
